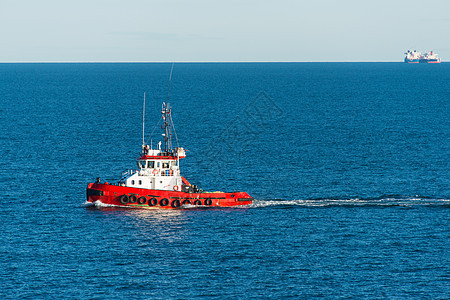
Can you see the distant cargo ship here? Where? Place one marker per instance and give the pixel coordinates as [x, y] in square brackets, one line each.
[413, 57]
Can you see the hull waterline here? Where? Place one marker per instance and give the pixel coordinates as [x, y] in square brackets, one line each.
[161, 199]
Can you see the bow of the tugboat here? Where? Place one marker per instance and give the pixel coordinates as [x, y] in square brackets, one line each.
[237, 198]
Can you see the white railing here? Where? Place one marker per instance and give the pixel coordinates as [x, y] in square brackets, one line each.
[126, 173]
[154, 172]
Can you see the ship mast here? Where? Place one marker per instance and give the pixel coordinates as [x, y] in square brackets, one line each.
[166, 126]
[167, 118]
[143, 123]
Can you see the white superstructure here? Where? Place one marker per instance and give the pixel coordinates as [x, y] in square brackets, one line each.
[158, 169]
[412, 55]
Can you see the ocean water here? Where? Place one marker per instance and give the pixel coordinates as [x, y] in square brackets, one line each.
[349, 164]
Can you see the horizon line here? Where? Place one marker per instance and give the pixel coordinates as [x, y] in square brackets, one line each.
[206, 61]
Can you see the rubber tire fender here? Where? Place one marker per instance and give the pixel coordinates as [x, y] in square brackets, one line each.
[133, 199]
[124, 199]
[176, 203]
[142, 200]
[187, 202]
[152, 202]
[164, 202]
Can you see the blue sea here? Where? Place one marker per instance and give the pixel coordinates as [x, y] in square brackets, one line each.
[349, 165]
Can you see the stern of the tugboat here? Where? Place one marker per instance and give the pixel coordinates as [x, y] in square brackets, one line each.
[93, 193]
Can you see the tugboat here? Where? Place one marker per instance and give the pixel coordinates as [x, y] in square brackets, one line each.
[157, 183]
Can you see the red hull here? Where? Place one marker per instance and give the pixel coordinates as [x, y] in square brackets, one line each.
[160, 199]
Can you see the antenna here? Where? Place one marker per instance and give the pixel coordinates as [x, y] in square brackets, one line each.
[143, 122]
[170, 79]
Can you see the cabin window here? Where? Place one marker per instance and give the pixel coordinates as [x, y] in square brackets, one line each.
[173, 163]
[151, 164]
[165, 165]
[132, 182]
[157, 164]
[144, 164]
[140, 182]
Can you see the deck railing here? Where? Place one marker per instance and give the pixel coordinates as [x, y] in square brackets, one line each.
[129, 172]
[163, 172]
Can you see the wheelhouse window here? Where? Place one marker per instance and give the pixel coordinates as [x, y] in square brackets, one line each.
[142, 164]
[165, 165]
[151, 164]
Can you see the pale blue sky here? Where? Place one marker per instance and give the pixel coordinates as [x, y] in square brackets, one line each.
[200, 30]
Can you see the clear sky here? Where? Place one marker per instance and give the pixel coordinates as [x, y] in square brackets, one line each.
[231, 30]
